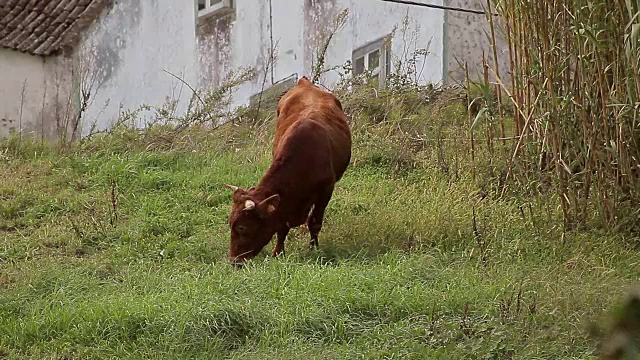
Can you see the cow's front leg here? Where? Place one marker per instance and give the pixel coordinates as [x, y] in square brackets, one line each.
[281, 236]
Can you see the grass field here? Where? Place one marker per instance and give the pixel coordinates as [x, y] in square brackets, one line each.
[117, 248]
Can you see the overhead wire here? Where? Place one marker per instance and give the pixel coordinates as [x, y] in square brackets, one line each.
[441, 7]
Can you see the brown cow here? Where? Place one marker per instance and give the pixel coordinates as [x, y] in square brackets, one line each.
[311, 151]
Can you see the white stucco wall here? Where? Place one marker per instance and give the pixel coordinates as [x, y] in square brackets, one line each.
[18, 70]
[296, 29]
[129, 48]
[126, 51]
[35, 96]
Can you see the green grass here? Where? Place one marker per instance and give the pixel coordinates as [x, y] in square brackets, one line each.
[399, 272]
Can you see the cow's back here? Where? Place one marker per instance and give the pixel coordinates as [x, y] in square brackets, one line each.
[308, 103]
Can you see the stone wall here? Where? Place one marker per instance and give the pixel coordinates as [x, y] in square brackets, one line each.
[467, 38]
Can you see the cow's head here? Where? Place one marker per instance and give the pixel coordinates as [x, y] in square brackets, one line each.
[252, 223]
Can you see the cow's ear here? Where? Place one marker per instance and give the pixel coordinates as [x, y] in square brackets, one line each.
[238, 193]
[269, 205]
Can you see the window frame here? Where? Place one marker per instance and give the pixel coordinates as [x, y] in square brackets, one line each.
[223, 7]
[383, 45]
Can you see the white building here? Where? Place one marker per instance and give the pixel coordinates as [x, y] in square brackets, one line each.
[105, 57]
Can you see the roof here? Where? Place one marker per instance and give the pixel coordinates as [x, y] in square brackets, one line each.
[46, 27]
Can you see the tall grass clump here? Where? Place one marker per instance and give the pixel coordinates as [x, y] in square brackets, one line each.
[575, 95]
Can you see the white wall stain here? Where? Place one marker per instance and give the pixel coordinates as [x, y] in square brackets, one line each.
[139, 40]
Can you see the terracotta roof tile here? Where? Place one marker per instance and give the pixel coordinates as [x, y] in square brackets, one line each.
[46, 27]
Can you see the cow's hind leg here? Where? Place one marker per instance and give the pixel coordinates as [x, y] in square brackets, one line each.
[281, 236]
[317, 214]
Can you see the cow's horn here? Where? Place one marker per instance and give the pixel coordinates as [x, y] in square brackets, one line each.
[249, 205]
[233, 188]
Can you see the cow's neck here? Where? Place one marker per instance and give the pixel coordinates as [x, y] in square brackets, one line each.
[274, 182]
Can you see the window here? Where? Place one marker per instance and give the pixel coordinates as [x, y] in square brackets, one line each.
[215, 7]
[374, 58]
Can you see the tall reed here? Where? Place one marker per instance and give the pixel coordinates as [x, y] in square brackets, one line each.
[575, 93]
